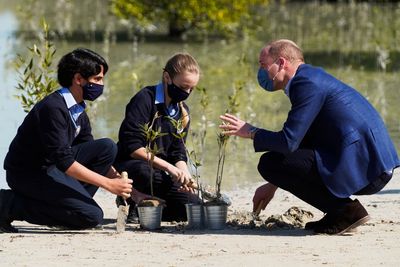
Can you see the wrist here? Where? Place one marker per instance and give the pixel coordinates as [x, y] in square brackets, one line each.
[252, 131]
[105, 184]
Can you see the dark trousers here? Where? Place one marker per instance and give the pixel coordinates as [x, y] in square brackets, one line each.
[163, 187]
[55, 199]
[297, 173]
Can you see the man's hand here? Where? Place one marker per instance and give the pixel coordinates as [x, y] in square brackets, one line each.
[263, 196]
[120, 187]
[235, 126]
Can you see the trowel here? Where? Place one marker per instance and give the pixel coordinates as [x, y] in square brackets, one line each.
[123, 210]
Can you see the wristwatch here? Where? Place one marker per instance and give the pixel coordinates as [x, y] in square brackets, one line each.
[252, 131]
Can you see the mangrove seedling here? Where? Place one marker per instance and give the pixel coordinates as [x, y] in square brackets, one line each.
[192, 156]
[152, 149]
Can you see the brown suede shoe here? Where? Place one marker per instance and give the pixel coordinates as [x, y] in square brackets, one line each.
[346, 219]
[315, 224]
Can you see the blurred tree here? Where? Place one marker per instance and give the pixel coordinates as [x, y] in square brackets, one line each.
[182, 15]
[37, 77]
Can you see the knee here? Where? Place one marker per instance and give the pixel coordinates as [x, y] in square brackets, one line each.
[263, 165]
[91, 218]
[108, 147]
[267, 165]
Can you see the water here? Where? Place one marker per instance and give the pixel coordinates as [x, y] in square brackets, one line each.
[364, 55]
[10, 109]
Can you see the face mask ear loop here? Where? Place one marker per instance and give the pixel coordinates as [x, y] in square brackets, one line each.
[276, 75]
[273, 79]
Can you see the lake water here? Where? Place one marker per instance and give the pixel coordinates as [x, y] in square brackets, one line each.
[225, 65]
[10, 108]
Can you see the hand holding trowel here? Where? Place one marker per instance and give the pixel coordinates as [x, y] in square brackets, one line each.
[123, 210]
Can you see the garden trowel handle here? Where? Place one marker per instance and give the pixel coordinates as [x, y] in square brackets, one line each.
[124, 175]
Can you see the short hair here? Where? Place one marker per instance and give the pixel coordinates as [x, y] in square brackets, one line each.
[285, 48]
[181, 62]
[83, 61]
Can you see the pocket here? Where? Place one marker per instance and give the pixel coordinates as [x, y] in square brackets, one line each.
[350, 138]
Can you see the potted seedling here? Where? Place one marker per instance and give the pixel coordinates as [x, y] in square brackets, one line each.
[194, 211]
[150, 210]
[216, 210]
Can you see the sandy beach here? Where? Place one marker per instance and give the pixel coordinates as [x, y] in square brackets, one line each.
[374, 244]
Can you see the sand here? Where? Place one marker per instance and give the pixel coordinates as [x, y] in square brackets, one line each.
[242, 243]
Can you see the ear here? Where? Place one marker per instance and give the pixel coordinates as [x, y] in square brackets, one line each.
[166, 77]
[77, 79]
[282, 63]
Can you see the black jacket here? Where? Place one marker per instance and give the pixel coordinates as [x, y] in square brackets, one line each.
[46, 136]
[140, 110]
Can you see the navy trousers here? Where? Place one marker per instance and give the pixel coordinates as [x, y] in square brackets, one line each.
[297, 173]
[163, 186]
[55, 199]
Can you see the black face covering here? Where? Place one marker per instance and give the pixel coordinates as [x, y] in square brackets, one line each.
[176, 93]
[91, 91]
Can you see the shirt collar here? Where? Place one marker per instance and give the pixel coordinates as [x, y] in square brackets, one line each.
[159, 94]
[172, 109]
[74, 108]
[286, 89]
[69, 98]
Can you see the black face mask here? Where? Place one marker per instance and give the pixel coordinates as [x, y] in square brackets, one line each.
[176, 94]
[91, 91]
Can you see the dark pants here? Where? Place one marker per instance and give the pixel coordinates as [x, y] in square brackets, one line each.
[55, 199]
[297, 173]
[163, 187]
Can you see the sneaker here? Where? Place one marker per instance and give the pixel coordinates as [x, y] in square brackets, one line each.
[349, 217]
[119, 201]
[132, 214]
[6, 198]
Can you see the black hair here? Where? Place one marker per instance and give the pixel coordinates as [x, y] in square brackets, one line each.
[83, 61]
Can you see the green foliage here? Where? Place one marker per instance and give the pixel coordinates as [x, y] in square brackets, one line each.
[201, 133]
[36, 75]
[182, 15]
[222, 139]
[151, 147]
[192, 155]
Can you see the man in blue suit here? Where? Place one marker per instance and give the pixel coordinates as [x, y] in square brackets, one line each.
[333, 144]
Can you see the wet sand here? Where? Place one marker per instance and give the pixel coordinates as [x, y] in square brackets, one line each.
[244, 242]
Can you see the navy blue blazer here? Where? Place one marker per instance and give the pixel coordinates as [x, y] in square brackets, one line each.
[351, 143]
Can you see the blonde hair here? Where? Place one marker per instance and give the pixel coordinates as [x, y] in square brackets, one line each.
[178, 64]
[287, 49]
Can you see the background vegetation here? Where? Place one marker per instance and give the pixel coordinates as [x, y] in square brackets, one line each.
[355, 41]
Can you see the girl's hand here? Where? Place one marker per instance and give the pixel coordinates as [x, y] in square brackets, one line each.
[180, 176]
